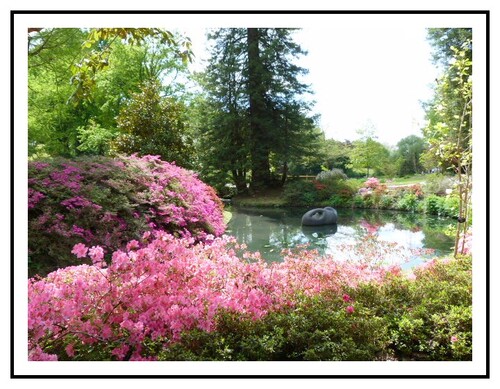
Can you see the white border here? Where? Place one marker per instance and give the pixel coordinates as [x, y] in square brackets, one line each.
[22, 366]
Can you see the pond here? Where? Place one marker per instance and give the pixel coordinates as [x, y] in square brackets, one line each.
[372, 236]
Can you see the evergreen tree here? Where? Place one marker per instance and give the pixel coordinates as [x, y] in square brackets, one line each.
[260, 119]
[224, 126]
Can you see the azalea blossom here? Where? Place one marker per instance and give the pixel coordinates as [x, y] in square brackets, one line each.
[80, 250]
[349, 309]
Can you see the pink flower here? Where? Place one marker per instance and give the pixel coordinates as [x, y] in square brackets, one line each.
[132, 245]
[70, 350]
[96, 253]
[346, 298]
[454, 339]
[349, 309]
[80, 250]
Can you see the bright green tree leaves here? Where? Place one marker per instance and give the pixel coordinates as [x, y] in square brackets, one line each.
[369, 155]
[97, 48]
[63, 124]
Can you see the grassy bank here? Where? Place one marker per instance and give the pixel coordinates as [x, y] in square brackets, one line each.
[268, 199]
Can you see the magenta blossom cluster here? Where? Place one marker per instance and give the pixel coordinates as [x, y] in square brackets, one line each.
[107, 202]
[158, 287]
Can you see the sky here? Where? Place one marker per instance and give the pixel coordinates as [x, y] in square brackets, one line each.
[362, 78]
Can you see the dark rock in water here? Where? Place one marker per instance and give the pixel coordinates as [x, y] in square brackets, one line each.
[320, 217]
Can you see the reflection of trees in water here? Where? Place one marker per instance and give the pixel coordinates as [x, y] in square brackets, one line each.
[271, 230]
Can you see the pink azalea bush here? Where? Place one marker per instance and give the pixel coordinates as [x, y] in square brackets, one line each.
[108, 202]
[162, 286]
[372, 183]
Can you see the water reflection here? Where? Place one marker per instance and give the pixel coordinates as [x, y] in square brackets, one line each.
[271, 230]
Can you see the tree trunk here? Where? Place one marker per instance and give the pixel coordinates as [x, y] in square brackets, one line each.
[284, 174]
[239, 178]
[260, 148]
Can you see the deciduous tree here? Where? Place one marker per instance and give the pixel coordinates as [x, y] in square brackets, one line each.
[449, 129]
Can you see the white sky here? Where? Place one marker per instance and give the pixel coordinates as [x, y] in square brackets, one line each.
[363, 77]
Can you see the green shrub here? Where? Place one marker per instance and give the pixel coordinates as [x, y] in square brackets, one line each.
[428, 318]
[319, 328]
[437, 324]
[386, 201]
[359, 201]
[340, 201]
[433, 205]
[300, 192]
[451, 205]
[409, 202]
[442, 206]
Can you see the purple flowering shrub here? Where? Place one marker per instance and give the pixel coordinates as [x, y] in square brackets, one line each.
[107, 202]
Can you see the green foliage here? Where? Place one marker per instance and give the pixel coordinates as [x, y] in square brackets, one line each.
[408, 152]
[443, 40]
[58, 128]
[439, 324]
[409, 202]
[96, 50]
[368, 154]
[155, 125]
[333, 192]
[449, 114]
[442, 206]
[255, 119]
[300, 192]
[318, 328]
[450, 129]
[336, 154]
[94, 139]
[52, 123]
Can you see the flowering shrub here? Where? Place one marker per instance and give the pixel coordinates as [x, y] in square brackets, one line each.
[108, 202]
[171, 298]
[167, 287]
[372, 183]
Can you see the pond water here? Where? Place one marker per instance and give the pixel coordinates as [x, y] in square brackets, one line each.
[372, 236]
